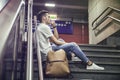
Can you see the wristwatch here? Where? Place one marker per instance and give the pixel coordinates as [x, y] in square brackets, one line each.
[53, 27]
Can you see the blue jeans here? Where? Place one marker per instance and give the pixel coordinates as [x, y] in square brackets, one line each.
[72, 47]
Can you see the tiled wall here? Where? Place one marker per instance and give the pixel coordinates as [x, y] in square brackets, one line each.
[80, 34]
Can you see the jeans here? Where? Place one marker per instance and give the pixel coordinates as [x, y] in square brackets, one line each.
[72, 47]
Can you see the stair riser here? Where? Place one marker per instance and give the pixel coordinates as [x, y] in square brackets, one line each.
[93, 76]
[101, 59]
[101, 48]
[86, 76]
[107, 67]
[101, 53]
[77, 76]
[82, 74]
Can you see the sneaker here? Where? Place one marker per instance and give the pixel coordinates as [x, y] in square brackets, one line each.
[75, 59]
[95, 67]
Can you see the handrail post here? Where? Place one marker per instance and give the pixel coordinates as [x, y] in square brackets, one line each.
[40, 69]
[29, 72]
[39, 60]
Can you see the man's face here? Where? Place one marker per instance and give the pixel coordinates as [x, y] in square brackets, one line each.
[47, 18]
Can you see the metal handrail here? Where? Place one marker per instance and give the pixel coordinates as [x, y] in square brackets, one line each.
[39, 60]
[118, 20]
[38, 52]
[29, 71]
[13, 24]
[113, 18]
[105, 19]
[112, 8]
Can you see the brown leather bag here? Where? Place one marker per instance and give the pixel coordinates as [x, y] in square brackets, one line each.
[57, 64]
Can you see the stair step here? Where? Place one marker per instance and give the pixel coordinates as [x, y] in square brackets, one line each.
[104, 59]
[101, 50]
[93, 46]
[79, 74]
[107, 64]
[77, 70]
[102, 55]
[114, 67]
[65, 79]
[104, 63]
[101, 58]
[97, 76]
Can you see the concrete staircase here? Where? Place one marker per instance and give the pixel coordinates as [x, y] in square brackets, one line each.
[106, 56]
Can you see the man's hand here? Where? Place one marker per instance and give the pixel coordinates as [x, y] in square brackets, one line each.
[53, 24]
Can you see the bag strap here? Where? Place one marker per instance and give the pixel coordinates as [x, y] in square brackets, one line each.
[55, 61]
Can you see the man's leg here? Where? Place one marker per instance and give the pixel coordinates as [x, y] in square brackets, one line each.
[73, 47]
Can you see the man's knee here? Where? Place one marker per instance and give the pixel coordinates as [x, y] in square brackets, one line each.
[73, 43]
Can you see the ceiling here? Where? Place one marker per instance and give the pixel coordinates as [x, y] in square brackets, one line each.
[65, 9]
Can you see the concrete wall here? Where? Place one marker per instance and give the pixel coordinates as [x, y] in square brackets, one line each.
[96, 7]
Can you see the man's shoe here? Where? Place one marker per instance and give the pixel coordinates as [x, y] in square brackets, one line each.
[94, 67]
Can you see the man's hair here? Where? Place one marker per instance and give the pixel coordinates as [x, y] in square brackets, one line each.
[40, 14]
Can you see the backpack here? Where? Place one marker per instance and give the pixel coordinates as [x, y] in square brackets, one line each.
[57, 64]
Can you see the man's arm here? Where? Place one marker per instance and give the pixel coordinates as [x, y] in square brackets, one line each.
[56, 32]
[55, 29]
[56, 41]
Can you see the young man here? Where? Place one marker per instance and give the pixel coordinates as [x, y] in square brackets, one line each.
[45, 34]
[53, 27]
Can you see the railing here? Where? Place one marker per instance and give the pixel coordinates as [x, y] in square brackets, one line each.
[29, 71]
[36, 41]
[12, 33]
[17, 36]
[103, 16]
[39, 60]
[107, 25]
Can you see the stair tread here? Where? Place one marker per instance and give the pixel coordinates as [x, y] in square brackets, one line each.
[101, 55]
[77, 60]
[68, 79]
[81, 70]
[103, 63]
[94, 45]
[101, 50]
[94, 71]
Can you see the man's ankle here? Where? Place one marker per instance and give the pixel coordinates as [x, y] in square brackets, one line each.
[89, 63]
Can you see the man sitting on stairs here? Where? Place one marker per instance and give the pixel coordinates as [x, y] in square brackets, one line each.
[45, 35]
